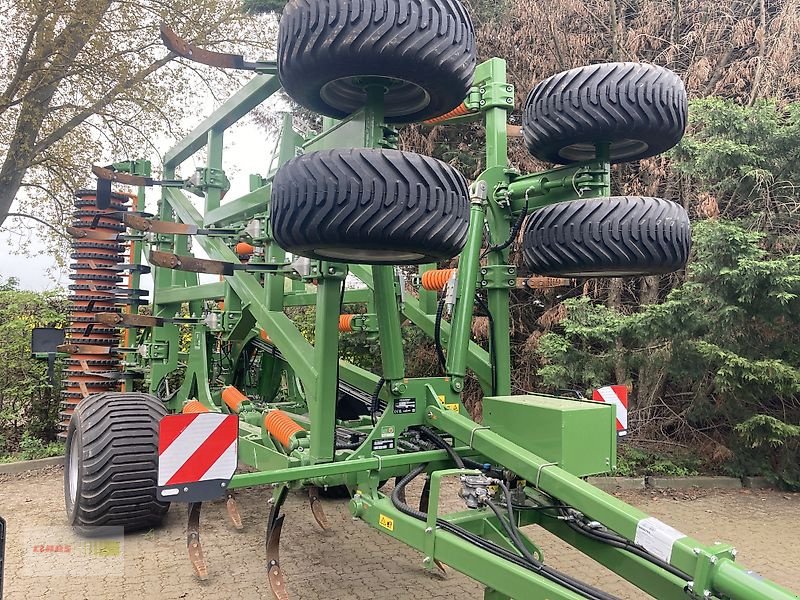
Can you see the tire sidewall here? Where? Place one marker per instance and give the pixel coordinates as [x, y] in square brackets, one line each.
[72, 508]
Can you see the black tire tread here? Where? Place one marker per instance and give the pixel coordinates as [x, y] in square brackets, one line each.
[430, 43]
[617, 236]
[120, 461]
[370, 199]
[606, 102]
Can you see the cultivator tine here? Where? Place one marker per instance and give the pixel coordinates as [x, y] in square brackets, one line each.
[204, 265]
[155, 226]
[189, 51]
[233, 512]
[169, 228]
[193, 542]
[316, 508]
[190, 263]
[105, 174]
[277, 583]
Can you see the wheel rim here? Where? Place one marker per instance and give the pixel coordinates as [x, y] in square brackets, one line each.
[348, 94]
[73, 467]
[619, 150]
[369, 256]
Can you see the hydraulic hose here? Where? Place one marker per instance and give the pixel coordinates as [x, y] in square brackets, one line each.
[563, 580]
[437, 336]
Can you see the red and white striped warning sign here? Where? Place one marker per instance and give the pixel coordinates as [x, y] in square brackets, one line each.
[618, 396]
[197, 455]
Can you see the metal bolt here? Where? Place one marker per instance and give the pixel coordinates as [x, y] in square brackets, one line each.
[713, 560]
[482, 90]
[484, 283]
[706, 594]
[483, 102]
[484, 271]
[512, 283]
[696, 550]
[428, 529]
[509, 88]
[511, 270]
[427, 560]
[734, 552]
[509, 101]
[429, 414]
[331, 270]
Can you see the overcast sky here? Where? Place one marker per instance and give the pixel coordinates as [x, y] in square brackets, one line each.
[246, 150]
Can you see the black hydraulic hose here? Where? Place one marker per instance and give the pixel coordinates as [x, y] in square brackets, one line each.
[511, 236]
[485, 307]
[624, 544]
[546, 572]
[375, 404]
[437, 441]
[437, 336]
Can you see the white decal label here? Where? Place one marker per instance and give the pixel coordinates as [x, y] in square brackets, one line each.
[657, 537]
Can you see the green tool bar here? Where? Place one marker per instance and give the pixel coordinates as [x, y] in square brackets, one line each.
[341, 467]
[281, 330]
[586, 180]
[477, 357]
[548, 477]
[731, 580]
[237, 106]
[350, 297]
[688, 554]
[389, 333]
[322, 406]
[206, 291]
[240, 209]
[493, 571]
[461, 329]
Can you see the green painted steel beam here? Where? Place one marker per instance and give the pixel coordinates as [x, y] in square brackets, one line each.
[281, 330]
[477, 357]
[309, 299]
[491, 570]
[237, 106]
[341, 467]
[687, 553]
[239, 210]
[205, 291]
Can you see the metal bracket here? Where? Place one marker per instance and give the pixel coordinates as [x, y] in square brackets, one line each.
[496, 95]
[498, 277]
[707, 559]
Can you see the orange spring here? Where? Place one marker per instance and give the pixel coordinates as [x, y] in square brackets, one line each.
[436, 280]
[233, 398]
[281, 426]
[193, 407]
[263, 335]
[346, 323]
[459, 111]
[244, 249]
[221, 304]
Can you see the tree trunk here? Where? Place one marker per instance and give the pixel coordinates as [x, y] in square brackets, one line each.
[615, 288]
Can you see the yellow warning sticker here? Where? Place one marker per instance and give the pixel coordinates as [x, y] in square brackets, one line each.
[441, 399]
[386, 522]
[453, 407]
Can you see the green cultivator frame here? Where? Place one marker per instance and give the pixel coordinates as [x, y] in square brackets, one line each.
[345, 204]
